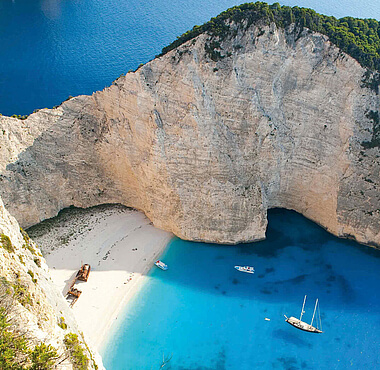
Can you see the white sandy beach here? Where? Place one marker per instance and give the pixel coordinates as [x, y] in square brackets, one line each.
[120, 244]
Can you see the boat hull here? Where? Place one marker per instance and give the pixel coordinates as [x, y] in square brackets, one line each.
[241, 269]
[161, 265]
[301, 325]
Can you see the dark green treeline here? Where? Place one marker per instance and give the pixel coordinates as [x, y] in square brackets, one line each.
[359, 38]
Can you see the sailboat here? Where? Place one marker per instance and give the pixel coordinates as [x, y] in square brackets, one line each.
[299, 324]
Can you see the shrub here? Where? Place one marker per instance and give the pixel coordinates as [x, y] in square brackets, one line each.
[6, 243]
[25, 235]
[27, 241]
[29, 248]
[31, 274]
[43, 357]
[21, 293]
[76, 352]
[61, 323]
[14, 345]
[19, 116]
[37, 262]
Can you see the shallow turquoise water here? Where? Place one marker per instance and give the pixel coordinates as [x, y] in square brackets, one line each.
[210, 316]
[50, 49]
[207, 315]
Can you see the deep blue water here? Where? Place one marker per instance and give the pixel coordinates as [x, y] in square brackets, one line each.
[202, 311]
[207, 315]
[50, 49]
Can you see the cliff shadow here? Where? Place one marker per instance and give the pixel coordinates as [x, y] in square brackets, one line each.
[298, 257]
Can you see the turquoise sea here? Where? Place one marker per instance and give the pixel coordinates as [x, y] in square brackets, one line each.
[203, 314]
[51, 49]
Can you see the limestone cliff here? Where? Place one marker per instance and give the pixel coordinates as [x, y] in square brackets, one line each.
[204, 143]
[37, 308]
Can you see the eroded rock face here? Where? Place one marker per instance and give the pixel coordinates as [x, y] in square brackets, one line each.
[37, 307]
[205, 147]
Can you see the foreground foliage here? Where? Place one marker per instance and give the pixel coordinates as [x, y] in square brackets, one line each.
[15, 346]
[43, 357]
[76, 352]
[359, 38]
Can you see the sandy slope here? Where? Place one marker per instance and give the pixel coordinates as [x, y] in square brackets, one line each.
[120, 244]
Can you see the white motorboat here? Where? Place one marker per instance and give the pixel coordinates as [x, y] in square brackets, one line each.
[161, 265]
[248, 269]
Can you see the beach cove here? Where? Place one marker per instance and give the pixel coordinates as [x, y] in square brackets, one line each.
[205, 312]
[119, 243]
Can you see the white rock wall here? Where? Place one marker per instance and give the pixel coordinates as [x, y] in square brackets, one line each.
[204, 148]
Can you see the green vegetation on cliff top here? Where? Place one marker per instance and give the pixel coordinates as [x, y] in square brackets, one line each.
[359, 38]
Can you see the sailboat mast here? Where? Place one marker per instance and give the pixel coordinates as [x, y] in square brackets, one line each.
[303, 306]
[316, 302]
